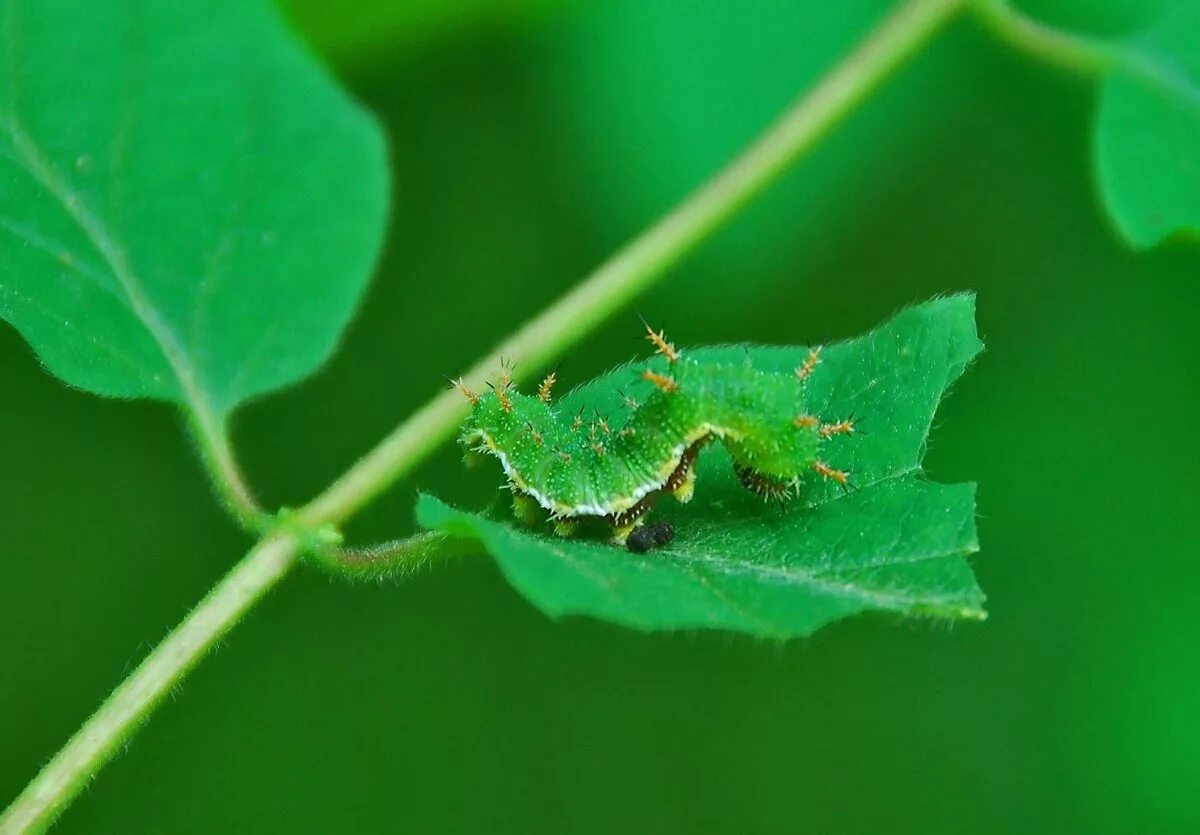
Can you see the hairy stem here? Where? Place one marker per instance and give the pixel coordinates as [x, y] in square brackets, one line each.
[397, 558]
[129, 705]
[1086, 56]
[572, 317]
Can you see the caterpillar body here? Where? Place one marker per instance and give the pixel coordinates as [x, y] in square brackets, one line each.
[578, 466]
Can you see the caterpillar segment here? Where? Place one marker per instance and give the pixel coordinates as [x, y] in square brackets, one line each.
[563, 473]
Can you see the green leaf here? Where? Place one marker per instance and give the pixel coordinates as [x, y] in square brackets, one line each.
[1148, 131]
[190, 208]
[894, 544]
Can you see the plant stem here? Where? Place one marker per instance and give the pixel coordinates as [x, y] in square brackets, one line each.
[129, 705]
[644, 260]
[567, 321]
[1086, 56]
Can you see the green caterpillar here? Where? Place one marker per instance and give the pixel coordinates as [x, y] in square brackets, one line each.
[574, 468]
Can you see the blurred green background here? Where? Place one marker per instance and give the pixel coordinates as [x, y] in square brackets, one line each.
[529, 139]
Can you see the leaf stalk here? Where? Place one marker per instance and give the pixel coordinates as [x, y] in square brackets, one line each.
[224, 473]
[394, 559]
[1085, 56]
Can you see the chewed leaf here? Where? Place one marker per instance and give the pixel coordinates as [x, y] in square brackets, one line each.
[894, 543]
[1148, 131]
[190, 207]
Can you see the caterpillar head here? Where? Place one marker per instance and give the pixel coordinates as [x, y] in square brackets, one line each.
[503, 420]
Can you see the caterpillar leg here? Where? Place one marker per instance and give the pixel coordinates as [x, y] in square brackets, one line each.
[620, 533]
[625, 522]
[565, 527]
[769, 487]
[682, 483]
[526, 509]
[686, 487]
